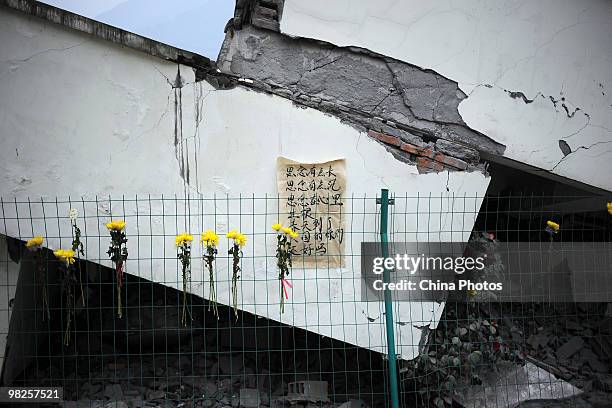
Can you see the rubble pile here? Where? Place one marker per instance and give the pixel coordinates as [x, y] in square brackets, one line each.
[571, 341]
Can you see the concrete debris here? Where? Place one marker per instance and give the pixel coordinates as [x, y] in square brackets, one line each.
[573, 342]
[604, 383]
[113, 392]
[570, 348]
[354, 404]
[313, 391]
[514, 385]
[250, 398]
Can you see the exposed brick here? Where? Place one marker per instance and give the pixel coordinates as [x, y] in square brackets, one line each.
[450, 161]
[392, 140]
[418, 151]
[425, 165]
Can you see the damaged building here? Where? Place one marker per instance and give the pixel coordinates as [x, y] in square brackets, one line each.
[107, 124]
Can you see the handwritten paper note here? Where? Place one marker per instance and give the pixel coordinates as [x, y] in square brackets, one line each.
[311, 203]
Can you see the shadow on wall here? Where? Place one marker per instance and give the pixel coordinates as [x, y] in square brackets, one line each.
[150, 343]
[9, 270]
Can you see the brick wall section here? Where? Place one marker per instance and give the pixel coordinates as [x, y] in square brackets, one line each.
[386, 139]
[430, 157]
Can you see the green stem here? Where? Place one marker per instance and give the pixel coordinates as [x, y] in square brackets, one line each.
[212, 292]
[282, 298]
[119, 308]
[235, 295]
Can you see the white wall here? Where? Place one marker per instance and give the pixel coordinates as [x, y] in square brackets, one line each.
[544, 49]
[87, 118]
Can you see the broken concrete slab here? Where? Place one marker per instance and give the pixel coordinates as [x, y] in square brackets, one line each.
[457, 150]
[113, 392]
[428, 94]
[593, 361]
[359, 87]
[515, 384]
[604, 383]
[553, 403]
[571, 347]
[249, 398]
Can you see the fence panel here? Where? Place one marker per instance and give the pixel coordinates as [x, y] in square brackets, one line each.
[317, 329]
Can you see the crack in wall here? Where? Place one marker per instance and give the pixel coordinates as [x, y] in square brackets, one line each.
[577, 149]
[37, 54]
[570, 113]
[561, 101]
[362, 89]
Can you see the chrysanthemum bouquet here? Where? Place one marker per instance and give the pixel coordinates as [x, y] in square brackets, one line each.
[283, 260]
[210, 240]
[117, 251]
[66, 258]
[183, 245]
[235, 251]
[77, 247]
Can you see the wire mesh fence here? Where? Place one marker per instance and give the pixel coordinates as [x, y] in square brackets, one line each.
[137, 325]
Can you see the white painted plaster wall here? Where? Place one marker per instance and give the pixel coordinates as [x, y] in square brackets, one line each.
[87, 118]
[545, 49]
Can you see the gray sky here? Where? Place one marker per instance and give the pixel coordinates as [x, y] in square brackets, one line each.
[194, 25]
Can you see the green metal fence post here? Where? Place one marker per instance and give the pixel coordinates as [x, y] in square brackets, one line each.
[384, 240]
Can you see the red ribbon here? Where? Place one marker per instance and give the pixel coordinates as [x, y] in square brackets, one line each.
[285, 283]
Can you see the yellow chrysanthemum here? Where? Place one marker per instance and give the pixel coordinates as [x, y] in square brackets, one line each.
[240, 239]
[610, 208]
[183, 239]
[66, 255]
[277, 227]
[471, 292]
[553, 225]
[290, 232]
[210, 238]
[35, 242]
[116, 225]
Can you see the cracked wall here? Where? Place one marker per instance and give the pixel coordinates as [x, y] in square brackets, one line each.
[369, 91]
[536, 74]
[88, 117]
